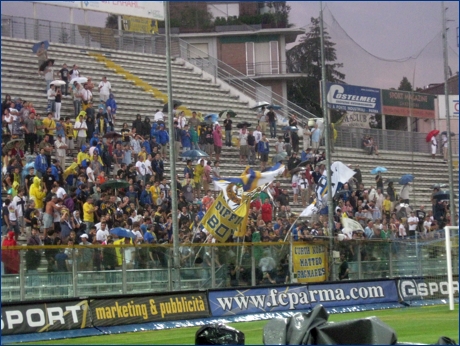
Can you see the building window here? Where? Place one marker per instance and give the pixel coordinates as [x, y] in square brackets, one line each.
[198, 51]
[250, 59]
[274, 58]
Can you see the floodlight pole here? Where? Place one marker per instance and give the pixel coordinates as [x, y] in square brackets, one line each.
[453, 210]
[327, 134]
[172, 156]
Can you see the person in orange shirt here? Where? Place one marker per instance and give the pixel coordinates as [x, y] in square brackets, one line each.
[207, 200]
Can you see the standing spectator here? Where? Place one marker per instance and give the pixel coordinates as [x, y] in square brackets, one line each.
[263, 119]
[193, 122]
[57, 104]
[228, 131]
[404, 193]
[69, 135]
[164, 140]
[243, 139]
[343, 269]
[185, 140]
[271, 119]
[413, 222]
[194, 138]
[112, 103]
[104, 89]
[306, 138]
[76, 91]
[64, 72]
[86, 96]
[444, 146]
[198, 178]
[315, 137]
[61, 148]
[42, 55]
[304, 186]
[90, 120]
[258, 136]
[51, 95]
[88, 212]
[267, 211]
[287, 142]
[209, 147]
[10, 258]
[264, 150]
[30, 136]
[81, 127]
[217, 137]
[295, 140]
[48, 148]
[251, 148]
[207, 176]
[74, 72]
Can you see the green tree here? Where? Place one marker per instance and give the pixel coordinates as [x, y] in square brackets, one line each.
[280, 14]
[405, 85]
[306, 58]
[111, 22]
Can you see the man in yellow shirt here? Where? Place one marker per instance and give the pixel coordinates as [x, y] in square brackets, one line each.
[88, 213]
[198, 178]
[69, 135]
[155, 191]
[387, 207]
[50, 127]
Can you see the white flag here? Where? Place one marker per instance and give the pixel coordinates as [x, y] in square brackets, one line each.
[310, 210]
[352, 224]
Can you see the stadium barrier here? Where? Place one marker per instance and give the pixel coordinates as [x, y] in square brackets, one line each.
[130, 312]
[146, 269]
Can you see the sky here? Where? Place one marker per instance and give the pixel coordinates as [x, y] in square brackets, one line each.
[390, 30]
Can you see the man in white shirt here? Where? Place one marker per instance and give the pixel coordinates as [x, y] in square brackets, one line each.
[159, 116]
[257, 136]
[90, 175]
[51, 96]
[104, 89]
[102, 233]
[61, 147]
[19, 204]
[81, 127]
[444, 146]
[243, 137]
[141, 167]
[74, 72]
[304, 189]
[412, 221]
[60, 192]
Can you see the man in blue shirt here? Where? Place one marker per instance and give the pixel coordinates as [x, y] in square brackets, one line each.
[369, 231]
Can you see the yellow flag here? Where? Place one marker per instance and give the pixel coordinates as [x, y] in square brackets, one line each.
[221, 221]
[243, 211]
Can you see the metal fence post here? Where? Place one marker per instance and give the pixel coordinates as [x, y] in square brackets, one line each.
[22, 275]
[360, 273]
[170, 276]
[253, 267]
[74, 272]
[391, 260]
[123, 271]
[213, 267]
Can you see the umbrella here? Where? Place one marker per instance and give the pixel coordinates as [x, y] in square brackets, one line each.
[378, 170]
[227, 112]
[290, 128]
[405, 179]
[193, 154]
[321, 163]
[43, 66]
[431, 134]
[211, 118]
[274, 107]
[79, 80]
[297, 169]
[279, 157]
[176, 103]
[305, 163]
[445, 194]
[57, 82]
[122, 233]
[112, 134]
[445, 133]
[10, 145]
[114, 184]
[438, 186]
[243, 124]
[36, 46]
[260, 104]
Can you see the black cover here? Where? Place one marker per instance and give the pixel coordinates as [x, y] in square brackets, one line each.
[218, 334]
[313, 329]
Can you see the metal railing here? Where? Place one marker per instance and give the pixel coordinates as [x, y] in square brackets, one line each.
[149, 268]
[392, 140]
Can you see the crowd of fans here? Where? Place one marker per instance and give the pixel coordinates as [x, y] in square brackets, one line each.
[54, 201]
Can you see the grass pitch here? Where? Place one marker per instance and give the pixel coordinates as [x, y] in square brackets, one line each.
[412, 324]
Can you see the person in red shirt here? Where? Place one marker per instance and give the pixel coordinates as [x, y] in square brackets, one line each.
[207, 200]
[267, 211]
[256, 204]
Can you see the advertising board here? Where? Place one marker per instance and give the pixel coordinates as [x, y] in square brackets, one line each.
[45, 317]
[453, 106]
[130, 310]
[352, 98]
[301, 297]
[418, 288]
[144, 9]
[405, 104]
